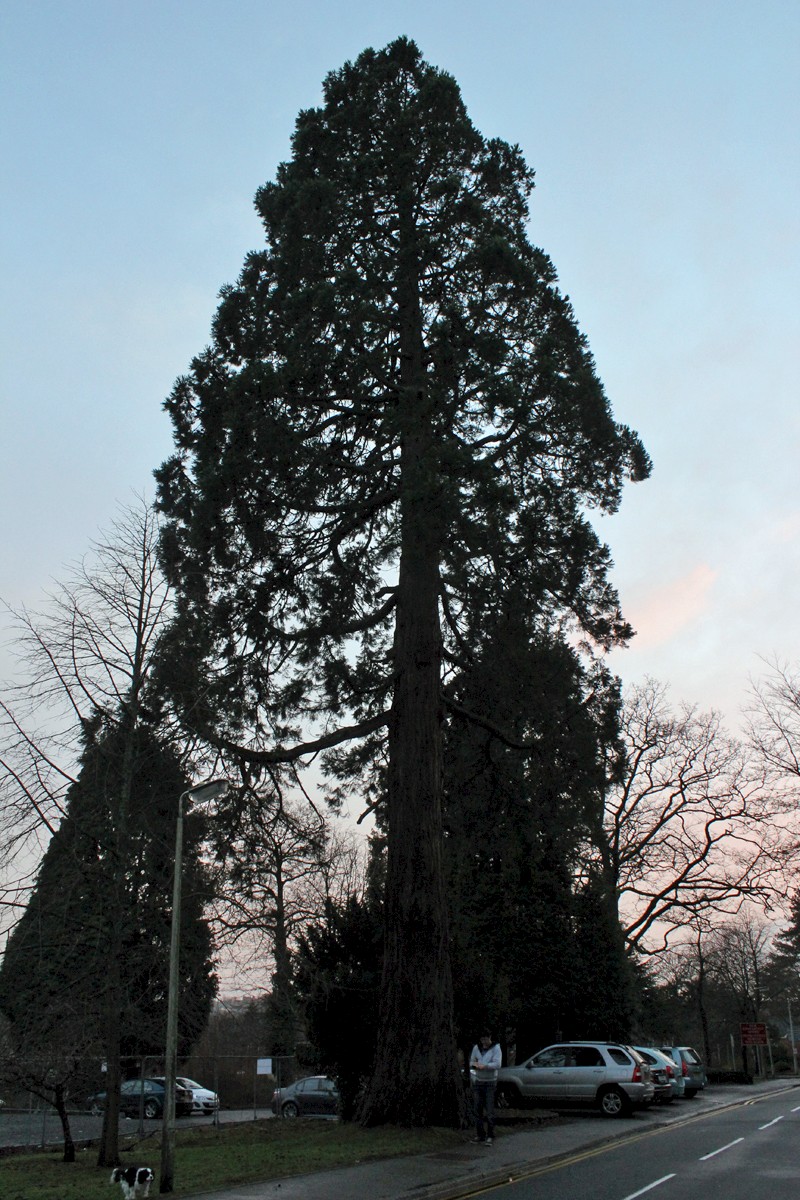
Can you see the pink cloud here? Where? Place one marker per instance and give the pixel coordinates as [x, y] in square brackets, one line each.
[660, 615]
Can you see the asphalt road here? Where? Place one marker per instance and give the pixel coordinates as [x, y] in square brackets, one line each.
[44, 1128]
[751, 1152]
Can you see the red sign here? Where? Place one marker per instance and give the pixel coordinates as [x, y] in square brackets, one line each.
[753, 1034]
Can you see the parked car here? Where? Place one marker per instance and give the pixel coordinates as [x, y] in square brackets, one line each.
[144, 1094]
[607, 1074]
[203, 1099]
[312, 1097]
[691, 1068]
[667, 1078]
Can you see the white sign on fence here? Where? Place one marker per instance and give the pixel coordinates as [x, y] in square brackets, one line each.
[263, 1066]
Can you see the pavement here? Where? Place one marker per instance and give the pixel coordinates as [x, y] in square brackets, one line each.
[461, 1171]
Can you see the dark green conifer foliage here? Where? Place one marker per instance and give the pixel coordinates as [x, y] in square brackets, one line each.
[338, 974]
[54, 973]
[537, 947]
[783, 968]
[396, 417]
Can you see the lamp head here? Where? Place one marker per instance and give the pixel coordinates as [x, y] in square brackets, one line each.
[212, 789]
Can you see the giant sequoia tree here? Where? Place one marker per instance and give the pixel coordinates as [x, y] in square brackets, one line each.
[397, 426]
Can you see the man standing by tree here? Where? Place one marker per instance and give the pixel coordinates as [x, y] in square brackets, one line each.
[396, 430]
[484, 1063]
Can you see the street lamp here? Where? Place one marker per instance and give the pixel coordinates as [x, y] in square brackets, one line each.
[209, 790]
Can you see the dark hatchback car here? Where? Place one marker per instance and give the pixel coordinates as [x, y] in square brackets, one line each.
[145, 1095]
[313, 1097]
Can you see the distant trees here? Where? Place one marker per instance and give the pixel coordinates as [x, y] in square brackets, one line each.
[277, 865]
[693, 827]
[395, 433]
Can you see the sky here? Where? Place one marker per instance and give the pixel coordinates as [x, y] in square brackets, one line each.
[664, 136]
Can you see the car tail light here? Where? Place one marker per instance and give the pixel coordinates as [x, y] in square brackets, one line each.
[637, 1074]
[684, 1069]
[670, 1072]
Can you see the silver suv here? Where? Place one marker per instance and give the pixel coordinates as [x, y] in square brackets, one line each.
[691, 1068]
[607, 1074]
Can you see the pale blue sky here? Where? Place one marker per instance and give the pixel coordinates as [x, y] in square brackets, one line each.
[664, 136]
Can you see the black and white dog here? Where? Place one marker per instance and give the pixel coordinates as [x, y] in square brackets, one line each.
[134, 1181]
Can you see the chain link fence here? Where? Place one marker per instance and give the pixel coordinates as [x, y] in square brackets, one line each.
[243, 1083]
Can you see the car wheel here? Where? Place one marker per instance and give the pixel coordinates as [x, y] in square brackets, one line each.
[613, 1102]
[290, 1109]
[508, 1096]
[690, 1093]
[150, 1109]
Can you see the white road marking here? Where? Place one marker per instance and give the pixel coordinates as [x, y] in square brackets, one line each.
[721, 1149]
[775, 1122]
[796, 1109]
[650, 1187]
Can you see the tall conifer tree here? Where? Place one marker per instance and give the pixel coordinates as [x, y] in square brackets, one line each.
[56, 965]
[397, 422]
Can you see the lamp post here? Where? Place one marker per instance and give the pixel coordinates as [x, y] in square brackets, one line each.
[791, 1036]
[205, 791]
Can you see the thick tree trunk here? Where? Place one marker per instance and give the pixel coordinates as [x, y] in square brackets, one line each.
[415, 1076]
[284, 1024]
[108, 1154]
[415, 1079]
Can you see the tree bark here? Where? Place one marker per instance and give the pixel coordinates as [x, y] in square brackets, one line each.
[284, 1031]
[415, 1076]
[108, 1153]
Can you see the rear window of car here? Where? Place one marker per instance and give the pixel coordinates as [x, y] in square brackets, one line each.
[618, 1056]
[690, 1055]
[588, 1056]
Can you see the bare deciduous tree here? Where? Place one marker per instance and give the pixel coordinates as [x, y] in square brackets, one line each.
[278, 863]
[51, 1075]
[692, 828]
[85, 662]
[86, 655]
[774, 723]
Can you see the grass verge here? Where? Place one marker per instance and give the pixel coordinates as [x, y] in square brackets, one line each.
[210, 1159]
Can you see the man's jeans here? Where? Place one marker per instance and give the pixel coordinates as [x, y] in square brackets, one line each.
[483, 1097]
